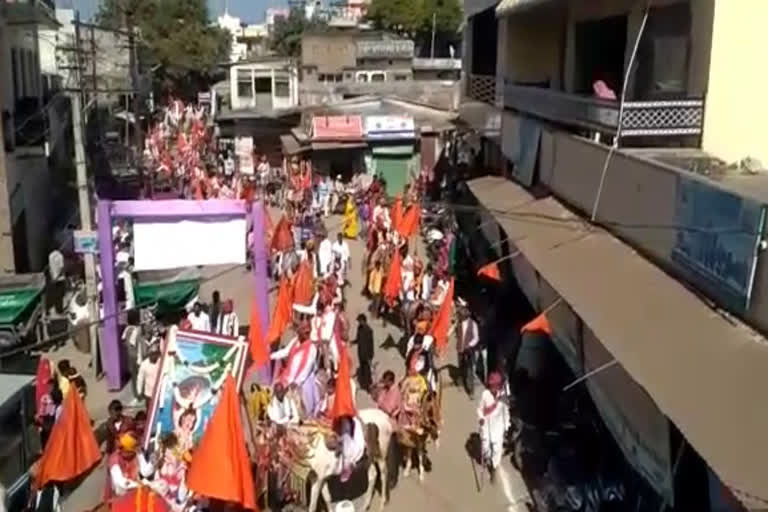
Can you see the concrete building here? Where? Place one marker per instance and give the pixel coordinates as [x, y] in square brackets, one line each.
[24, 186]
[264, 85]
[342, 64]
[643, 118]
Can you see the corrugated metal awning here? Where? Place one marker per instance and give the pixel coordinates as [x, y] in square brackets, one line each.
[507, 7]
[707, 374]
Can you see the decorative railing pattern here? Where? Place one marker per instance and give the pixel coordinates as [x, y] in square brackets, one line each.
[482, 88]
[679, 117]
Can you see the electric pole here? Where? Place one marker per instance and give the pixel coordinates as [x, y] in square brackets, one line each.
[86, 224]
[134, 63]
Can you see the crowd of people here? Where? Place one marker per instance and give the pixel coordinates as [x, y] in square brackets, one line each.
[308, 340]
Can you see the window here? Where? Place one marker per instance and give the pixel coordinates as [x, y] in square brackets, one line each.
[377, 77]
[339, 77]
[282, 88]
[244, 84]
[263, 85]
[399, 77]
[362, 78]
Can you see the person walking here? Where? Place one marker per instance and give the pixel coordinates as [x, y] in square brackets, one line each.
[149, 370]
[467, 345]
[364, 340]
[493, 418]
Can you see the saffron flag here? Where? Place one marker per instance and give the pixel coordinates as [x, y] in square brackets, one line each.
[303, 285]
[72, 448]
[343, 401]
[397, 212]
[538, 324]
[141, 499]
[283, 313]
[491, 271]
[221, 467]
[441, 324]
[394, 280]
[282, 237]
[256, 344]
[409, 226]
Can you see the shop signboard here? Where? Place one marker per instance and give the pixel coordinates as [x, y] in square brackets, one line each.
[337, 128]
[393, 48]
[389, 127]
[244, 153]
[85, 242]
[718, 237]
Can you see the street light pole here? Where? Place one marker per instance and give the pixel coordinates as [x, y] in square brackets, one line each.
[434, 25]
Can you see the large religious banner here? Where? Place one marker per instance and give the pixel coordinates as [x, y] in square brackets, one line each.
[193, 368]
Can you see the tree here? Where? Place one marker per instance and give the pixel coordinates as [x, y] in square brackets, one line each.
[287, 32]
[176, 39]
[413, 19]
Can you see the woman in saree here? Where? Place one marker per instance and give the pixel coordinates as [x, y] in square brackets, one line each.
[350, 219]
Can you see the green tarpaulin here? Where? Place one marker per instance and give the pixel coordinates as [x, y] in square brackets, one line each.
[15, 303]
[171, 290]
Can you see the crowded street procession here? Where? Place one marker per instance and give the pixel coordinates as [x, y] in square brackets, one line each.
[300, 405]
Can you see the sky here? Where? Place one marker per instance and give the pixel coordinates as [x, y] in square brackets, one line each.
[249, 11]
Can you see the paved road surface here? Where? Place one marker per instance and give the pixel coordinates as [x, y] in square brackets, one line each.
[449, 487]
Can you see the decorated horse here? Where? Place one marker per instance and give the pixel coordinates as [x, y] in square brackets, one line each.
[307, 456]
[420, 426]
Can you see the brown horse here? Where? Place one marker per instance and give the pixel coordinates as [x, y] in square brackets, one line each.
[413, 438]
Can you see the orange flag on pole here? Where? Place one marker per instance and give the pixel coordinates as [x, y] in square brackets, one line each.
[538, 324]
[441, 324]
[409, 226]
[256, 344]
[303, 285]
[491, 271]
[221, 467]
[394, 280]
[283, 312]
[397, 212]
[72, 448]
[343, 401]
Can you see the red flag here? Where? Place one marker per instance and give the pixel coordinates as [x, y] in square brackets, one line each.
[258, 348]
[42, 383]
[491, 271]
[441, 323]
[394, 280]
[397, 212]
[409, 226]
[221, 467]
[343, 401]
[72, 448]
[538, 324]
[303, 285]
[283, 313]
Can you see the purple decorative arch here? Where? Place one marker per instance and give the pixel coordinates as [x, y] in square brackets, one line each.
[170, 210]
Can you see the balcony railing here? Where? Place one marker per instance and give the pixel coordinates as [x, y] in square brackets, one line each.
[30, 11]
[679, 117]
[482, 88]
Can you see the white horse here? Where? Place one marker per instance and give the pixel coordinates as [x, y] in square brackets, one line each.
[325, 463]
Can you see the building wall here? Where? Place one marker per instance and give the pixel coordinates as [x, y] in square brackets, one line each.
[639, 203]
[736, 106]
[531, 46]
[28, 176]
[328, 53]
[437, 93]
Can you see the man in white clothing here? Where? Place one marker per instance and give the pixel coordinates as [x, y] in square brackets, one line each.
[282, 409]
[341, 250]
[325, 256]
[427, 281]
[229, 324]
[493, 416]
[199, 319]
[300, 367]
[146, 377]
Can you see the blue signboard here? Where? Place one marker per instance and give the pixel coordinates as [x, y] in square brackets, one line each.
[717, 240]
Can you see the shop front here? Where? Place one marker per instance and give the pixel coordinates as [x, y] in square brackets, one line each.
[394, 149]
[338, 146]
[625, 333]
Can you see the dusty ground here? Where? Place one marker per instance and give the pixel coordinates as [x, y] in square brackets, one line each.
[451, 485]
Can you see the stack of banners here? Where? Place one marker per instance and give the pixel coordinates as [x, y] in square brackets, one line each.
[244, 152]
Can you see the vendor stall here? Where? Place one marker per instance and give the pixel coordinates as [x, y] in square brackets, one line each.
[21, 307]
